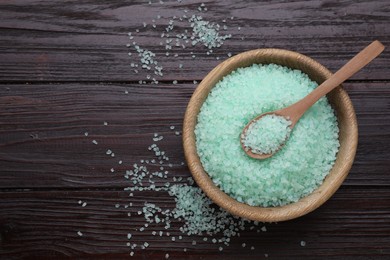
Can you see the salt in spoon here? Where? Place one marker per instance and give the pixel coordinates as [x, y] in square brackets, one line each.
[294, 112]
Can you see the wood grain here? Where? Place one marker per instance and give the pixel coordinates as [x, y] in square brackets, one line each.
[42, 142]
[64, 70]
[73, 41]
[352, 223]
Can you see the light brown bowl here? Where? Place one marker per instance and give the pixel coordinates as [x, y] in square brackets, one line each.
[348, 136]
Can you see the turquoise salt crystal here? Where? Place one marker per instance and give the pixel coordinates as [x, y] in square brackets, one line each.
[293, 172]
[267, 134]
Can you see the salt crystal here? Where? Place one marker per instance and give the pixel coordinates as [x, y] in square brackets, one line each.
[321, 146]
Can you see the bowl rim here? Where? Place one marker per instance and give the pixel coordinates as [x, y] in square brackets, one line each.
[268, 214]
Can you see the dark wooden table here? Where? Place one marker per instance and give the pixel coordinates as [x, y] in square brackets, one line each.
[64, 71]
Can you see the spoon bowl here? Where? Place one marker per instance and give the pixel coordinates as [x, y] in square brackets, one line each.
[260, 156]
[296, 110]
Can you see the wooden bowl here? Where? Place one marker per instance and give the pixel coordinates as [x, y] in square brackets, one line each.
[348, 136]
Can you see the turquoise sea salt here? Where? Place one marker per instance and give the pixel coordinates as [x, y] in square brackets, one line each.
[267, 134]
[294, 171]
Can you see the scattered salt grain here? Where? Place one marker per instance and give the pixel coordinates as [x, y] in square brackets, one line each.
[94, 142]
[206, 33]
[197, 212]
[303, 243]
[79, 233]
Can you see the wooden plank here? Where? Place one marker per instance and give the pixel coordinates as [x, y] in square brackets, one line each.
[370, 101]
[42, 142]
[73, 41]
[354, 223]
[73, 57]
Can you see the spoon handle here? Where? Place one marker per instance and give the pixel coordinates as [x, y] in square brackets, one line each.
[351, 67]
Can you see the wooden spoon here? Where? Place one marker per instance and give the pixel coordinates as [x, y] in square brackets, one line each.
[296, 110]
